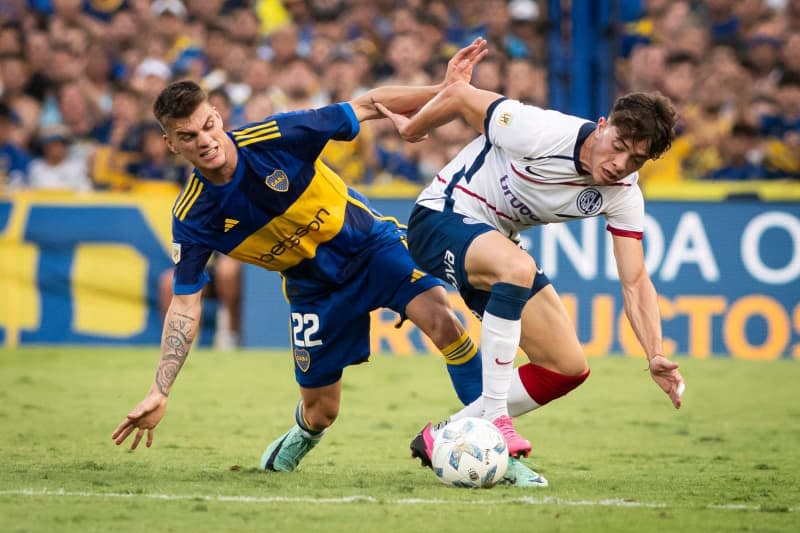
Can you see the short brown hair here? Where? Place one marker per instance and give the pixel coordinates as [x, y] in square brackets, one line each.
[178, 100]
[647, 117]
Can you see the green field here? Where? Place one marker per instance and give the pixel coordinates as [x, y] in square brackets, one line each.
[618, 457]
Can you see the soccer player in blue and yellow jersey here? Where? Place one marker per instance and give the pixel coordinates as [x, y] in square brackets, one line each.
[260, 194]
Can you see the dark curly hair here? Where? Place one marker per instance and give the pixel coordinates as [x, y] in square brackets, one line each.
[178, 100]
[648, 117]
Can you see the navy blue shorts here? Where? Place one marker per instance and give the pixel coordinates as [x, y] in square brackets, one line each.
[438, 242]
[330, 329]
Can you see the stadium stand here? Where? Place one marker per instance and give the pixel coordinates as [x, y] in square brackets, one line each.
[94, 67]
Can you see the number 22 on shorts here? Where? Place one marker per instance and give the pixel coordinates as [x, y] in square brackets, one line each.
[304, 326]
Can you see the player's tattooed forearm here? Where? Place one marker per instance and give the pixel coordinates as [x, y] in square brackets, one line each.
[171, 363]
[176, 345]
[166, 374]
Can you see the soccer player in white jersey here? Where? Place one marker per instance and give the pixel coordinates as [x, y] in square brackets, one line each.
[529, 167]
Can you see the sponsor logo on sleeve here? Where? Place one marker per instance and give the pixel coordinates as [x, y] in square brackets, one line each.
[176, 252]
[504, 119]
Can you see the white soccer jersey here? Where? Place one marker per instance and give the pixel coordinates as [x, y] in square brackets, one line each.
[524, 171]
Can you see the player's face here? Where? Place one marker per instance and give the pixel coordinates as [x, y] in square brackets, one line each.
[200, 139]
[613, 157]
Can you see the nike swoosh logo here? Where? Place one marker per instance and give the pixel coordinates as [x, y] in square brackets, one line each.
[539, 271]
[503, 363]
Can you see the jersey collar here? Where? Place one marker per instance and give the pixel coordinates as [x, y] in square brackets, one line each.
[583, 133]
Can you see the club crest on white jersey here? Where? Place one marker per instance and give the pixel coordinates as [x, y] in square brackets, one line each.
[589, 201]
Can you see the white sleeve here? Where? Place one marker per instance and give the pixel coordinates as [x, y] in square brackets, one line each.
[625, 214]
[529, 131]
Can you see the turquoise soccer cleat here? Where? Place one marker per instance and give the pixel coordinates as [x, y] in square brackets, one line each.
[519, 475]
[285, 453]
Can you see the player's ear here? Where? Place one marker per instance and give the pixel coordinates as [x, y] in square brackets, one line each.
[602, 123]
[169, 144]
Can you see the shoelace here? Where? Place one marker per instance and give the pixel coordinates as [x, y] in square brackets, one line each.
[438, 426]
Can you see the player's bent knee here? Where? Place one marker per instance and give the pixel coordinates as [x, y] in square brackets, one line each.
[574, 368]
[320, 413]
[545, 385]
[520, 273]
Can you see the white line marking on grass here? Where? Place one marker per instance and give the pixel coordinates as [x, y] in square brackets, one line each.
[746, 507]
[526, 500]
[529, 500]
[185, 497]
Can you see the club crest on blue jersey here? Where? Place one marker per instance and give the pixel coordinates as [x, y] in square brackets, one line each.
[278, 181]
[589, 201]
[302, 359]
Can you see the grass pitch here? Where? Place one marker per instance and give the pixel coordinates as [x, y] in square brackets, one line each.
[617, 456]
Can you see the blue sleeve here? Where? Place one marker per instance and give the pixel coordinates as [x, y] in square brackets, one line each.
[190, 261]
[305, 133]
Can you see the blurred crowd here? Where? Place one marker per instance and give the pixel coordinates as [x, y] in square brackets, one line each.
[732, 67]
[78, 78]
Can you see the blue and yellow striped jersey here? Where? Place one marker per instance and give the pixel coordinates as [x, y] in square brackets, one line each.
[284, 210]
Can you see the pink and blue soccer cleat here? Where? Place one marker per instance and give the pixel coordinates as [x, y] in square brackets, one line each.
[422, 446]
[517, 446]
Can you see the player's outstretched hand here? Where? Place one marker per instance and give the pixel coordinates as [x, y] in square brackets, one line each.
[459, 68]
[401, 124]
[665, 373]
[144, 417]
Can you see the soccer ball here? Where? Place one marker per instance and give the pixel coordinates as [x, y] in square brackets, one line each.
[471, 453]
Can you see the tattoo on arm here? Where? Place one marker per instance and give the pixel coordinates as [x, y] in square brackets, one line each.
[179, 332]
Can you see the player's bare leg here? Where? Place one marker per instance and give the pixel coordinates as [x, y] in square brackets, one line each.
[315, 412]
[432, 313]
[227, 278]
[557, 362]
[557, 366]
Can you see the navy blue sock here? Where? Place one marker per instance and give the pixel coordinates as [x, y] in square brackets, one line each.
[464, 368]
[467, 380]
